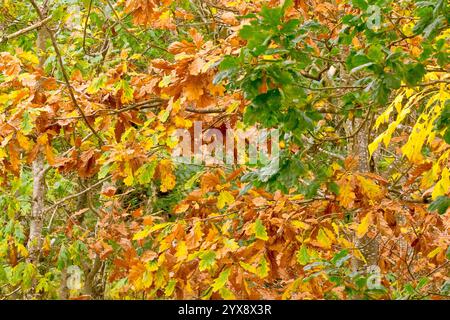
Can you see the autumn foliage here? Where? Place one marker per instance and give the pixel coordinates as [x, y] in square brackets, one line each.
[94, 206]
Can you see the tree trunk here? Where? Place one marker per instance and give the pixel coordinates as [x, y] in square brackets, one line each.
[368, 247]
[37, 209]
[38, 170]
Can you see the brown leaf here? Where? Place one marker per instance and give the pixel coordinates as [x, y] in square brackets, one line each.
[209, 181]
[109, 191]
[196, 66]
[87, 165]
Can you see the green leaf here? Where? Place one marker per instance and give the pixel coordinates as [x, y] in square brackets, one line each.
[422, 282]
[260, 230]
[263, 269]
[303, 257]
[226, 294]
[97, 84]
[190, 183]
[414, 73]
[207, 260]
[104, 170]
[286, 5]
[361, 4]
[63, 258]
[170, 288]
[440, 205]
[339, 259]
[26, 124]
[391, 81]
[221, 280]
[127, 92]
[43, 285]
[28, 274]
[145, 173]
[375, 53]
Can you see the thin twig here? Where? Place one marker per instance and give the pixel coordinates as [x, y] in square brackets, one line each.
[86, 25]
[77, 194]
[63, 70]
[24, 30]
[206, 110]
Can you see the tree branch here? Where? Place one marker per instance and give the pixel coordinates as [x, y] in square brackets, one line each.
[76, 194]
[206, 110]
[24, 30]
[63, 70]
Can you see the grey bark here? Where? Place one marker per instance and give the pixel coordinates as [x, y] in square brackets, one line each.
[38, 170]
[368, 246]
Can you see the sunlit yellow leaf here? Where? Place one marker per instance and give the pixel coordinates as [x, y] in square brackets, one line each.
[363, 227]
[442, 187]
[323, 239]
[434, 253]
[225, 198]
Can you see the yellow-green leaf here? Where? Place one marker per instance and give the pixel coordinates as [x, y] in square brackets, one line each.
[260, 230]
[221, 280]
[225, 198]
[323, 239]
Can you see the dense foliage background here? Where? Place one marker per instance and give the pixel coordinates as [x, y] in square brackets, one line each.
[94, 207]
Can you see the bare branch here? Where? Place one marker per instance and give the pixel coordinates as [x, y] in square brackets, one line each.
[206, 110]
[24, 30]
[76, 194]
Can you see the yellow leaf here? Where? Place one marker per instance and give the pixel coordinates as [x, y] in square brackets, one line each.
[230, 244]
[269, 57]
[24, 142]
[167, 177]
[160, 226]
[363, 227]
[123, 54]
[49, 154]
[136, 56]
[335, 228]
[300, 225]
[29, 57]
[22, 250]
[330, 234]
[181, 122]
[46, 246]
[232, 107]
[165, 81]
[434, 253]
[370, 189]
[129, 176]
[224, 198]
[442, 187]
[345, 243]
[181, 208]
[423, 130]
[248, 267]
[260, 230]
[323, 239]
[359, 255]
[142, 234]
[209, 64]
[182, 251]
[346, 195]
[227, 294]
[2, 154]
[42, 139]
